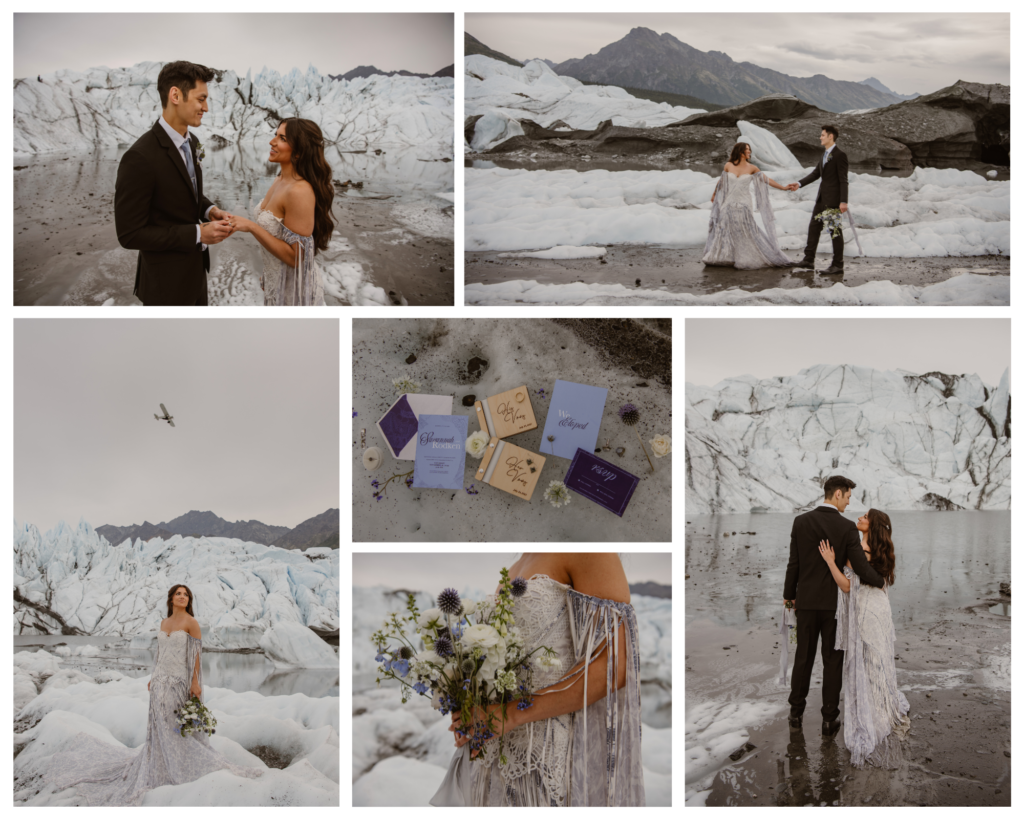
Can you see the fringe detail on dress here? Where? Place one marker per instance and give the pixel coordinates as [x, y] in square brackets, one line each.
[298, 282]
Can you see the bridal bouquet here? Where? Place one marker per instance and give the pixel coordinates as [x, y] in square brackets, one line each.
[472, 657]
[832, 220]
[193, 716]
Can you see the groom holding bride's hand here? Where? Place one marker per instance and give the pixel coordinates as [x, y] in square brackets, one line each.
[159, 206]
[833, 170]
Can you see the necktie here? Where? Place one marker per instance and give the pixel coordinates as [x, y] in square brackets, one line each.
[186, 148]
[824, 162]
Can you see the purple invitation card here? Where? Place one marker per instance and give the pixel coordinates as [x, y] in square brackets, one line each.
[607, 485]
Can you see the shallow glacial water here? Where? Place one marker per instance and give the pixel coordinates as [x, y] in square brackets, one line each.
[66, 249]
[237, 672]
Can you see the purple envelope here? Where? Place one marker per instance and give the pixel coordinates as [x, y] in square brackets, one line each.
[607, 485]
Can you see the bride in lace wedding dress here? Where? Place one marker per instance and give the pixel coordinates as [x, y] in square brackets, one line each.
[734, 238]
[112, 775]
[579, 743]
[293, 221]
[875, 709]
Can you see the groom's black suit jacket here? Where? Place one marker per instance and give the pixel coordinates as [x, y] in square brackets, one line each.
[808, 579]
[156, 212]
[835, 186]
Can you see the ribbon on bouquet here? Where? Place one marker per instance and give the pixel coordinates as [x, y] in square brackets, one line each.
[456, 790]
[853, 227]
[788, 619]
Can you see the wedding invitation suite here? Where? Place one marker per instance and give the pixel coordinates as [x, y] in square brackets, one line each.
[506, 413]
[440, 452]
[400, 423]
[574, 419]
[604, 483]
[510, 468]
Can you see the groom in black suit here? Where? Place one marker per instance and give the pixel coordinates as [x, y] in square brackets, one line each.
[159, 206]
[832, 169]
[813, 590]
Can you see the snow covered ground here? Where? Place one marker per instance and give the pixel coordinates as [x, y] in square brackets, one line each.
[53, 704]
[908, 441]
[400, 753]
[965, 289]
[933, 212]
[79, 110]
[502, 94]
[246, 595]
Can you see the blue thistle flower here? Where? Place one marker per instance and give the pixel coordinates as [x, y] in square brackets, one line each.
[443, 647]
[519, 587]
[448, 601]
[629, 414]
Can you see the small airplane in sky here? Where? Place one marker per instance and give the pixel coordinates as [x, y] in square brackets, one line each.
[165, 417]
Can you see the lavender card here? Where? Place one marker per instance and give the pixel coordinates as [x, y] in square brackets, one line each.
[440, 452]
[608, 485]
[401, 421]
[574, 419]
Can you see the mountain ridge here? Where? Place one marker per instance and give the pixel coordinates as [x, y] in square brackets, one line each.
[662, 62]
[315, 531]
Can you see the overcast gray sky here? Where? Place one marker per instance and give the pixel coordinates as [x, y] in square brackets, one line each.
[433, 572]
[333, 43]
[255, 406]
[765, 348]
[907, 52]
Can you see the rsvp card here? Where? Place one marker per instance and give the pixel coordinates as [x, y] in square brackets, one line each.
[440, 452]
[401, 422]
[608, 485]
[574, 419]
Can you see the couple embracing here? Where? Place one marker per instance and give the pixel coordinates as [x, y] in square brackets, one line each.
[734, 239]
[848, 608]
[161, 211]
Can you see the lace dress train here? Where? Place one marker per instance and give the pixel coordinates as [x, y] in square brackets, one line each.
[734, 238]
[284, 285]
[589, 757]
[112, 775]
[876, 710]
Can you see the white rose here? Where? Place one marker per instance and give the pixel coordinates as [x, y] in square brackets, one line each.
[476, 444]
[661, 445]
[428, 617]
[468, 606]
[481, 635]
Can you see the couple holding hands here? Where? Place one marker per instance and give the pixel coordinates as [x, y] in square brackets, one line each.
[734, 238]
[160, 209]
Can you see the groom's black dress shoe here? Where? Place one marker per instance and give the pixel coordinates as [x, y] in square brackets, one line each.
[796, 723]
[829, 729]
[807, 262]
[832, 269]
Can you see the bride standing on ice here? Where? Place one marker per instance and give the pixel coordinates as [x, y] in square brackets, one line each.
[112, 775]
[734, 238]
[579, 743]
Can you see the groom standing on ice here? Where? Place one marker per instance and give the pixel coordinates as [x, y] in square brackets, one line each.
[159, 207]
[833, 169]
[814, 593]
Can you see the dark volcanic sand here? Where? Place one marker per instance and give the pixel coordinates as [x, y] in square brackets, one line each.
[66, 249]
[679, 270]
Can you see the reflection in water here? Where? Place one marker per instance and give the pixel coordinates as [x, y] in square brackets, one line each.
[943, 560]
[237, 672]
[809, 783]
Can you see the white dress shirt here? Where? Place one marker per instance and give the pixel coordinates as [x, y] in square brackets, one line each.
[181, 143]
[824, 159]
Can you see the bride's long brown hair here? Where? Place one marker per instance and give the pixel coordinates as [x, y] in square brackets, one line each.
[170, 599]
[883, 554]
[307, 141]
[738, 150]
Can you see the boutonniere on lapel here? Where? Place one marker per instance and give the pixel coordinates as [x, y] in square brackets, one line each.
[200, 151]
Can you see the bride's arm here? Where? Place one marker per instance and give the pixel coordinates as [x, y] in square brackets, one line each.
[299, 207]
[598, 575]
[196, 632]
[830, 558]
[771, 182]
